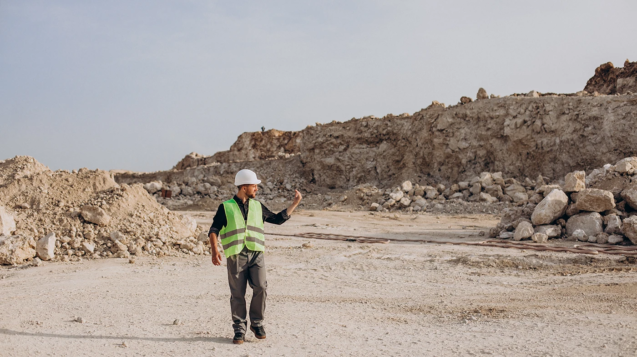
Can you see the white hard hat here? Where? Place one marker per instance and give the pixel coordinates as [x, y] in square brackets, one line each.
[246, 177]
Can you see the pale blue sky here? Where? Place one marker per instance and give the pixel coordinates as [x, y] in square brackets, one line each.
[139, 84]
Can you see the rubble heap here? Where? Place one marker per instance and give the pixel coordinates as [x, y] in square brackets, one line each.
[598, 208]
[65, 216]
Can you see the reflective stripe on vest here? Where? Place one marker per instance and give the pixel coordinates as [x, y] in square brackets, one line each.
[238, 233]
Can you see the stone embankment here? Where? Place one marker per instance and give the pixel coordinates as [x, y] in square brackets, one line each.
[61, 215]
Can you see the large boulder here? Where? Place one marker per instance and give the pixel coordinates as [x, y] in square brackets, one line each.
[550, 208]
[590, 223]
[595, 200]
[16, 249]
[45, 247]
[630, 229]
[7, 222]
[575, 181]
[95, 215]
[523, 231]
[629, 194]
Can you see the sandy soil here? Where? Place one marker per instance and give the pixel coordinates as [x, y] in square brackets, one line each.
[333, 298]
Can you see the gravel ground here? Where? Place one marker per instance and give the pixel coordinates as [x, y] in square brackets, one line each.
[333, 298]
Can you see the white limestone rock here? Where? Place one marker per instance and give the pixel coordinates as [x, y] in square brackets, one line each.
[580, 235]
[406, 186]
[45, 247]
[540, 238]
[16, 249]
[550, 208]
[95, 215]
[575, 181]
[7, 222]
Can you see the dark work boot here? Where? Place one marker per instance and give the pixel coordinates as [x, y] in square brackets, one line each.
[239, 337]
[259, 332]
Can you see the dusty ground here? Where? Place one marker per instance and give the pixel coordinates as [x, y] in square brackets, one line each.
[334, 298]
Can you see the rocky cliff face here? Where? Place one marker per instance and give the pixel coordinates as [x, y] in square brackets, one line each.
[519, 136]
[609, 79]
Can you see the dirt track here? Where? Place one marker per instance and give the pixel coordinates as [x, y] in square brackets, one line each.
[334, 298]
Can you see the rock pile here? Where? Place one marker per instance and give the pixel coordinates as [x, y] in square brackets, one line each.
[65, 215]
[598, 208]
[487, 188]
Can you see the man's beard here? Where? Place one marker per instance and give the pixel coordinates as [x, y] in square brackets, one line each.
[251, 195]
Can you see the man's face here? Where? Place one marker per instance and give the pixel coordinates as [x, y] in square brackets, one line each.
[250, 190]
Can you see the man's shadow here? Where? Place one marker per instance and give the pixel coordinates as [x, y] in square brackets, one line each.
[223, 340]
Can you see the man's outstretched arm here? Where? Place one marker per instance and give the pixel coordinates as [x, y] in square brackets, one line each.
[297, 200]
[281, 217]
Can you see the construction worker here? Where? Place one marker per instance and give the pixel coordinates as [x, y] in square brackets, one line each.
[238, 223]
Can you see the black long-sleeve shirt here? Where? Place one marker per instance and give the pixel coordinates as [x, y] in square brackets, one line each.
[220, 220]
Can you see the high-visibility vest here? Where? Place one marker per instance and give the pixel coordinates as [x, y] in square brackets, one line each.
[238, 232]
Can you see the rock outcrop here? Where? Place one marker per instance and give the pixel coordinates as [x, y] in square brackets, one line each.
[609, 79]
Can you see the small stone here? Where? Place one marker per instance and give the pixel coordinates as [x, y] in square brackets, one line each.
[524, 230]
[615, 239]
[575, 181]
[405, 201]
[79, 319]
[601, 238]
[579, 235]
[397, 195]
[307, 245]
[540, 238]
[506, 235]
[177, 322]
[88, 247]
[131, 261]
[551, 231]
[485, 197]
[482, 94]
[533, 94]
[203, 237]
[407, 186]
[465, 100]
[476, 189]
[95, 215]
[374, 206]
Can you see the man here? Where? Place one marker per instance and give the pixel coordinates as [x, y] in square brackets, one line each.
[239, 224]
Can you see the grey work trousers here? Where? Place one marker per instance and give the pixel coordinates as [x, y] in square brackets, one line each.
[247, 267]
